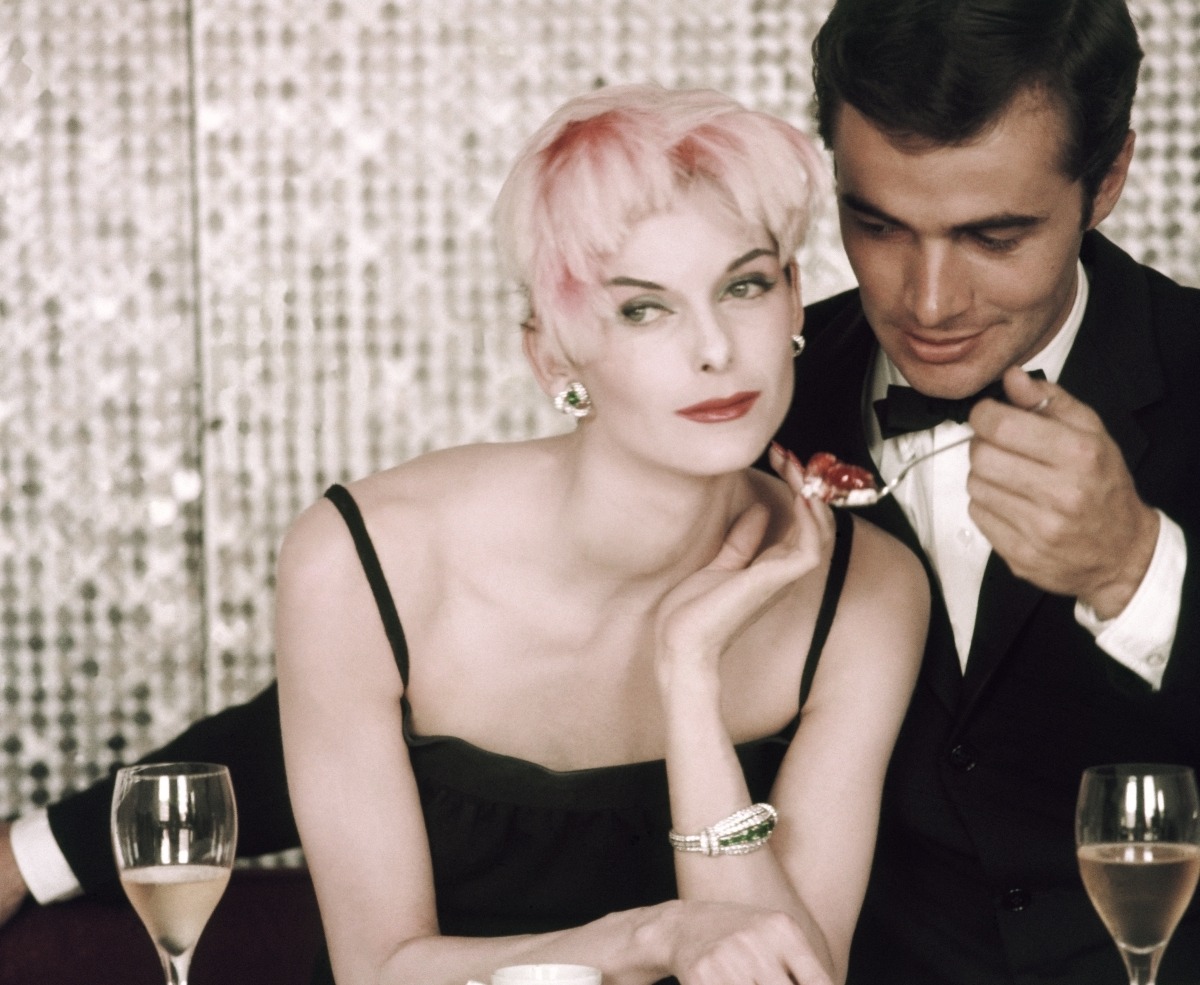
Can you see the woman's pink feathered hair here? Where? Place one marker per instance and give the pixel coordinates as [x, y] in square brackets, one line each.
[610, 158]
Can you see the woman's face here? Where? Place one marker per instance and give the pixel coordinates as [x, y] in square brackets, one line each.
[693, 368]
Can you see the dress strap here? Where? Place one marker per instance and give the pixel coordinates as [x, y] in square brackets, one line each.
[838, 563]
[341, 498]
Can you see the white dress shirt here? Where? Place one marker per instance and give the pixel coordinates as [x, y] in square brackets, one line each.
[41, 861]
[934, 498]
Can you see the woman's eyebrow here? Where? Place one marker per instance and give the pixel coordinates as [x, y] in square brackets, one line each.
[649, 285]
[752, 255]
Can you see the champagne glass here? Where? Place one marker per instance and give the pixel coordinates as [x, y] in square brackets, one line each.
[174, 831]
[1137, 832]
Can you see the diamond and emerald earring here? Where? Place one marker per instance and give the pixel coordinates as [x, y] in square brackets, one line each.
[574, 400]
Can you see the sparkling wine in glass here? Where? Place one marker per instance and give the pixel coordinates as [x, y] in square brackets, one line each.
[1137, 832]
[174, 831]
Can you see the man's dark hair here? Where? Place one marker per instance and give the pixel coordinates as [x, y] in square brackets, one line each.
[942, 71]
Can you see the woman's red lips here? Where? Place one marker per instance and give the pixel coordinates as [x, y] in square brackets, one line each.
[724, 409]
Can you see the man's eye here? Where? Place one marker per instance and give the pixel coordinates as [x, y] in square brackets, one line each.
[997, 244]
[642, 312]
[873, 228]
[750, 287]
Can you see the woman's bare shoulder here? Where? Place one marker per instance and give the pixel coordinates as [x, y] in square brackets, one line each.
[886, 595]
[438, 495]
[446, 477]
[450, 478]
[878, 553]
[878, 634]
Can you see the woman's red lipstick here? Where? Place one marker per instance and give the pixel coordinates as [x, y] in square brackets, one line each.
[724, 409]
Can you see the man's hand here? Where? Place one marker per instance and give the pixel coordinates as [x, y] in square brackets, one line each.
[1051, 492]
[12, 884]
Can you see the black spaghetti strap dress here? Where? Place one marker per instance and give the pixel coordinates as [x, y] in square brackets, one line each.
[518, 848]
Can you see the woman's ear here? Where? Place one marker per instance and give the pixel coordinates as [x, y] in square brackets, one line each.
[551, 368]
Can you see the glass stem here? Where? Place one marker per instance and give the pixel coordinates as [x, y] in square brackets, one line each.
[176, 966]
[1141, 965]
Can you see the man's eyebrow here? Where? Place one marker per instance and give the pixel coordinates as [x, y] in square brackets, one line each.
[1001, 220]
[649, 285]
[852, 201]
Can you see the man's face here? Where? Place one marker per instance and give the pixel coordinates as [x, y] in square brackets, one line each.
[965, 254]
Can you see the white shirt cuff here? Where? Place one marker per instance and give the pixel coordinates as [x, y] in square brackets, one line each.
[1140, 637]
[41, 861]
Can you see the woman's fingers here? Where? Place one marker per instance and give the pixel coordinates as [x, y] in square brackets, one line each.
[813, 520]
[743, 540]
[750, 947]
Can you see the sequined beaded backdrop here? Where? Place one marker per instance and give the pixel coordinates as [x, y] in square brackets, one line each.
[244, 252]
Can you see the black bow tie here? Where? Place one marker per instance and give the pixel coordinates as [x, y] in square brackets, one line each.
[904, 409]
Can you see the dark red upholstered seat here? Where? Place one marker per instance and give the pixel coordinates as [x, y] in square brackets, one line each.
[265, 931]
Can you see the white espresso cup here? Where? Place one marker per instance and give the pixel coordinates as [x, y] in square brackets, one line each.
[539, 974]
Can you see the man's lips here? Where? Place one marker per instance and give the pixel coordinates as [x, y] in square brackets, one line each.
[941, 350]
[725, 409]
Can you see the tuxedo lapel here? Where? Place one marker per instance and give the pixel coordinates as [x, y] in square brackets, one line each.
[940, 669]
[1005, 604]
[827, 415]
[826, 410]
[1113, 366]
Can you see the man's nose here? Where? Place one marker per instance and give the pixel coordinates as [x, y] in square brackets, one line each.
[937, 288]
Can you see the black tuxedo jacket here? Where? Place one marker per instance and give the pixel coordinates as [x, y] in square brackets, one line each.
[245, 738]
[975, 880]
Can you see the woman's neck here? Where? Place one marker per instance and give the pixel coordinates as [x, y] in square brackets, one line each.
[633, 520]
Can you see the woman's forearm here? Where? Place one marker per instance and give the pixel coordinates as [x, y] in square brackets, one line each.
[692, 940]
[630, 948]
[706, 785]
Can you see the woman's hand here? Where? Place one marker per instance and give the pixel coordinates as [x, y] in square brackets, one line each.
[721, 943]
[700, 617]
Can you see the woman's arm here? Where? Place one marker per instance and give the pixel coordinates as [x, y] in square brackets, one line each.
[814, 868]
[696, 624]
[352, 790]
[831, 780]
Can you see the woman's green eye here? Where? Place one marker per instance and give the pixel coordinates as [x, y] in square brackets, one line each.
[642, 312]
[750, 287]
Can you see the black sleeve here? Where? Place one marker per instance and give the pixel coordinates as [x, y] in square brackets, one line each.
[246, 738]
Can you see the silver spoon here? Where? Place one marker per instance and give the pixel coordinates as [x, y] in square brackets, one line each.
[869, 497]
